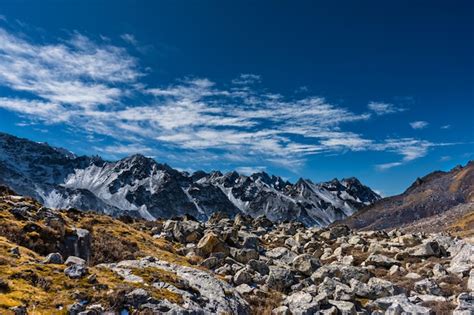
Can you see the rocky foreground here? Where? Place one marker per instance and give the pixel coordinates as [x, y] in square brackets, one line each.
[71, 262]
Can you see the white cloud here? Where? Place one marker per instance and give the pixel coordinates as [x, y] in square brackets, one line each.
[386, 166]
[419, 124]
[129, 38]
[249, 170]
[89, 86]
[381, 108]
[446, 127]
[247, 78]
[77, 72]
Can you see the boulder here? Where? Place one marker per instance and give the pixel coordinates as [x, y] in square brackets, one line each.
[53, 258]
[306, 264]
[75, 271]
[383, 261]
[250, 241]
[428, 249]
[281, 253]
[413, 276]
[439, 271]
[302, 303]
[344, 307]
[465, 303]
[75, 309]
[427, 286]
[187, 231]
[398, 304]
[244, 255]
[210, 243]
[211, 262]
[137, 297]
[73, 260]
[463, 260]
[280, 279]
[381, 288]
[335, 232]
[258, 266]
[242, 276]
[244, 289]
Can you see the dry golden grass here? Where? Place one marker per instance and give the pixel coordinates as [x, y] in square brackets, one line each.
[463, 227]
[45, 289]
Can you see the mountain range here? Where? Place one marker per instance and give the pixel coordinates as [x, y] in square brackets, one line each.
[139, 186]
[432, 203]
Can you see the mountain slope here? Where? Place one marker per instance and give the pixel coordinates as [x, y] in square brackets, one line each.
[431, 203]
[139, 186]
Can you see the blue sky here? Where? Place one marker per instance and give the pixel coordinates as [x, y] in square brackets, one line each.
[374, 89]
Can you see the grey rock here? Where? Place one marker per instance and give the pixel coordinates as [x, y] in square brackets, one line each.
[428, 249]
[244, 289]
[465, 302]
[244, 255]
[463, 260]
[345, 273]
[53, 258]
[381, 288]
[280, 279]
[250, 241]
[137, 297]
[75, 271]
[187, 231]
[399, 304]
[381, 261]
[427, 286]
[211, 262]
[75, 309]
[302, 303]
[220, 296]
[258, 266]
[413, 276]
[306, 264]
[282, 254]
[242, 276]
[344, 307]
[439, 271]
[73, 260]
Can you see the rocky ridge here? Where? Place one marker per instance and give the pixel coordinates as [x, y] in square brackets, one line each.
[139, 186]
[239, 265]
[431, 203]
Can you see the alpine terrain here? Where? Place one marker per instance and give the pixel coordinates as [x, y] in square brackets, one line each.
[432, 203]
[140, 187]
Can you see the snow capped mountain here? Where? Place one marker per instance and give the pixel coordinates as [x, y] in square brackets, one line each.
[140, 186]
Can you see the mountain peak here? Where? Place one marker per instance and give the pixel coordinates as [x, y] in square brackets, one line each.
[141, 186]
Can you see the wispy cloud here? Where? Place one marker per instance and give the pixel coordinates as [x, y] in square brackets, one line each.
[386, 166]
[409, 148]
[249, 170]
[77, 72]
[91, 86]
[419, 124]
[129, 38]
[247, 78]
[380, 108]
[446, 127]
